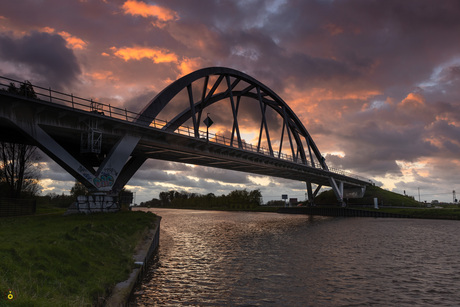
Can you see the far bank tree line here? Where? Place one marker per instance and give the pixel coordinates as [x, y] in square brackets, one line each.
[237, 199]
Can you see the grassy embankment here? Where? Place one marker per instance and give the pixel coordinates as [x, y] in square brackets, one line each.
[387, 198]
[55, 260]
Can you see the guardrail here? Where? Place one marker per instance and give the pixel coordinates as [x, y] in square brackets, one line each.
[90, 105]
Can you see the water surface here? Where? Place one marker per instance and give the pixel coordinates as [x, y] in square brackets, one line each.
[209, 258]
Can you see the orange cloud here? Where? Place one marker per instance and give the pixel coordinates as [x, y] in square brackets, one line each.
[102, 75]
[157, 55]
[145, 10]
[73, 42]
[449, 118]
[309, 100]
[47, 30]
[414, 100]
[189, 65]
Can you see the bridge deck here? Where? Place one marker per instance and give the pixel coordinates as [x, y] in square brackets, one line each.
[66, 123]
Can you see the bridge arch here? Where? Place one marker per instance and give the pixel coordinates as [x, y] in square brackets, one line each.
[59, 122]
[302, 146]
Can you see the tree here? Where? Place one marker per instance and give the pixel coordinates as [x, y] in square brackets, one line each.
[78, 189]
[25, 89]
[19, 172]
[164, 198]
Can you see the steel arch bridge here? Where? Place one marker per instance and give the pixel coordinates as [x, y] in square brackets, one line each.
[296, 132]
[103, 146]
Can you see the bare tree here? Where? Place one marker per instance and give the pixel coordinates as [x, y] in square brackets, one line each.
[19, 172]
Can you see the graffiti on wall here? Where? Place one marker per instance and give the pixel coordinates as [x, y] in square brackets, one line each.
[103, 181]
[84, 172]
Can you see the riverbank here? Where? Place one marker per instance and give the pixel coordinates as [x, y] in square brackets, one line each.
[407, 212]
[76, 260]
[425, 213]
[419, 213]
[252, 209]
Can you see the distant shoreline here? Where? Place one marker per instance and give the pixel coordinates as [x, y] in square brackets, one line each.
[418, 213]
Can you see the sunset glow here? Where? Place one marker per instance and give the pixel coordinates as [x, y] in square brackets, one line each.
[377, 85]
[137, 53]
[145, 10]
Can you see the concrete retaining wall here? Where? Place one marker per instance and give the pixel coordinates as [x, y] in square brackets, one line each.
[143, 254]
[337, 211]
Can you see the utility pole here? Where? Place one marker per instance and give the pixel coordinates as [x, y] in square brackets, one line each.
[454, 197]
[207, 128]
[418, 194]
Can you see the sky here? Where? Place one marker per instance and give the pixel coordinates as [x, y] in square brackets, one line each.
[376, 83]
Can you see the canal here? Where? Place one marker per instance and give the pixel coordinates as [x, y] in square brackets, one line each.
[213, 258]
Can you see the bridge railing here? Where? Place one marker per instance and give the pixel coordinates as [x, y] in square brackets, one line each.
[70, 100]
[90, 105]
[220, 139]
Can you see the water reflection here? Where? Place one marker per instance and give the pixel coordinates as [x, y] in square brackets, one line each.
[259, 259]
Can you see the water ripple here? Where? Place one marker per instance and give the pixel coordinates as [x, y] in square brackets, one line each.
[262, 259]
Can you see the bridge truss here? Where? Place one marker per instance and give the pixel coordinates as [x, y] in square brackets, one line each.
[103, 146]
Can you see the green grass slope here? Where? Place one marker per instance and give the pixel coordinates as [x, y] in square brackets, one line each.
[55, 260]
[384, 197]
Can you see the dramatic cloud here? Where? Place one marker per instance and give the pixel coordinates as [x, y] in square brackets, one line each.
[162, 14]
[376, 83]
[72, 41]
[45, 55]
[157, 55]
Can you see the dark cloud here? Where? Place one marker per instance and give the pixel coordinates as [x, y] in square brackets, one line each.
[138, 103]
[378, 81]
[46, 55]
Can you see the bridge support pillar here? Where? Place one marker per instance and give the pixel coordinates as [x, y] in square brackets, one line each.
[311, 194]
[103, 182]
[337, 187]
